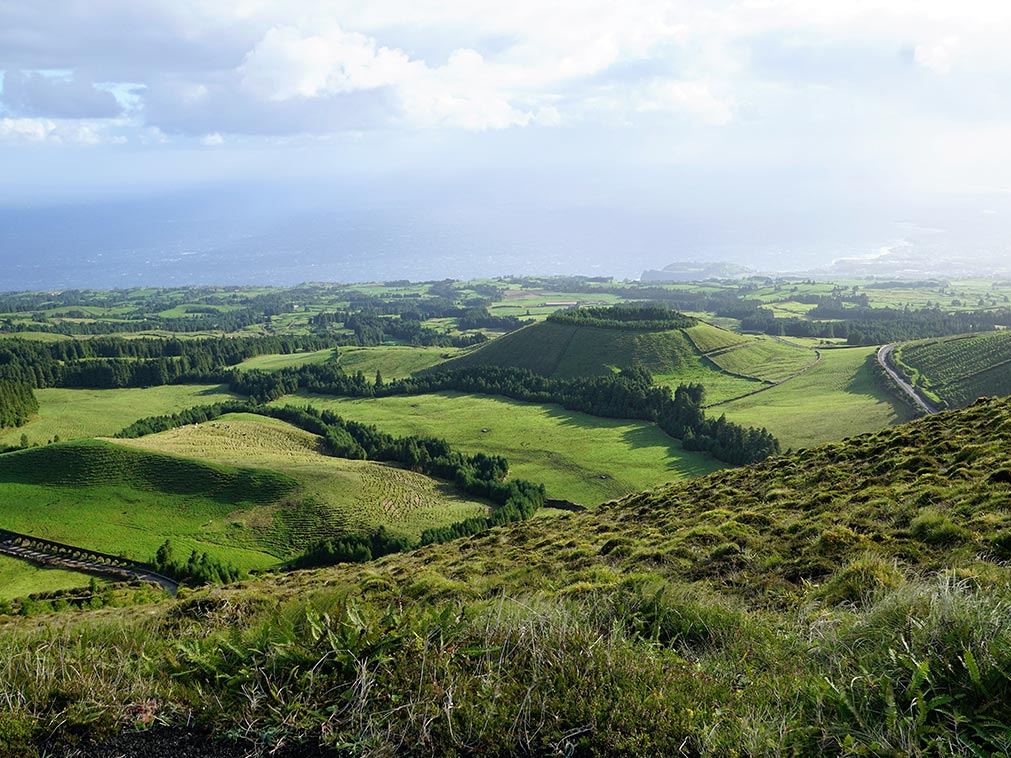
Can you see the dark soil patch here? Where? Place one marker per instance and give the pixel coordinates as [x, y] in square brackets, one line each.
[176, 742]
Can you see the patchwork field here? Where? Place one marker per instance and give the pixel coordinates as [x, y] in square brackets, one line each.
[577, 457]
[74, 413]
[837, 398]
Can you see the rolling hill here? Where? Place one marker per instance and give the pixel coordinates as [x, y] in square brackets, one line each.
[851, 599]
[955, 371]
[728, 364]
[248, 490]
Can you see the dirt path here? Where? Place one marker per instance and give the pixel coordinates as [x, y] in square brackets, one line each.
[884, 360]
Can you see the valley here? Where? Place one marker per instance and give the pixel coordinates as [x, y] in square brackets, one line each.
[463, 461]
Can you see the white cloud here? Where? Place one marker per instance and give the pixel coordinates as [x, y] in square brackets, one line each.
[26, 129]
[212, 140]
[46, 130]
[322, 67]
[691, 98]
[287, 63]
[938, 56]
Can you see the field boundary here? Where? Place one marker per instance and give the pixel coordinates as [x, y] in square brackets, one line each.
[769, 385]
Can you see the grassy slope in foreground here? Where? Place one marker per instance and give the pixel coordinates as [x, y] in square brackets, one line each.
[869, 613]
[958, 370]
[355, 495]
[837, 398]
[74, 413]
[566, 451]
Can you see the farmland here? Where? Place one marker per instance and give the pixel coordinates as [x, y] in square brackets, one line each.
[18, 579]
[577, 457]
[108, 498]
[76, 413]
[784, 604]
[956, 370]
[837, 398]
[347, 495]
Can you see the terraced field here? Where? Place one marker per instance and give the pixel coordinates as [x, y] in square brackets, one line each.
[958, 370]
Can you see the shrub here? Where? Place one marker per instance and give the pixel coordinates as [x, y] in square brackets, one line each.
[936, 529]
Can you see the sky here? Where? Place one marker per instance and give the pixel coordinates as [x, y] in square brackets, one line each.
[789, 132]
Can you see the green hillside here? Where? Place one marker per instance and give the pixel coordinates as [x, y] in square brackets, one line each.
[346, 495]
[955, 371]
[567, 351]
[728, 364]
[852, 599]
[129, 497]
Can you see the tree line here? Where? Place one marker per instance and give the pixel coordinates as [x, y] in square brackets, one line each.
[17, 403]
[644, 317]
[629, 394]
[114, 362]
[198, 569]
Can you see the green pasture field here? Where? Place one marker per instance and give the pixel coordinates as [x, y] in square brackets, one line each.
[275, 361]
[517, 302]
[76, 413]
[41, 336]
[578, 457]
[720, 386]
[182, 310]
[764, 358]
[837, 398]
[790, 309]
[393, 361]
[108, 498]
[567, 351]
[354, 495]
[707, 337]
[955, 295]
[19, 578]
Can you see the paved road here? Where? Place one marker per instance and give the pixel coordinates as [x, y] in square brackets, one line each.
[884, 359]
[58, 561]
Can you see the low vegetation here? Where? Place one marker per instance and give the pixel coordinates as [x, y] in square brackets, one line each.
[851, 599]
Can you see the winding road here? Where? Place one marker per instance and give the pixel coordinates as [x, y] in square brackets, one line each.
[884, 359]
[38, 554]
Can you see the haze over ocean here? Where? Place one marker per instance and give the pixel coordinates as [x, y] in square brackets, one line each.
[229, 237]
